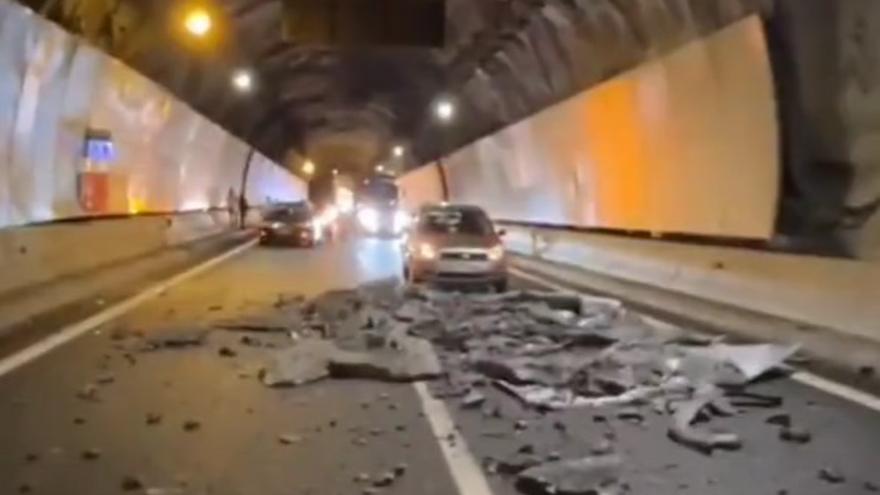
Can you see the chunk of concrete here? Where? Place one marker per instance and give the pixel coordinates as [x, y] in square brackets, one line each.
[175, 337]
[413, 359]
[303, 363]
[703, 441]
[581, 476]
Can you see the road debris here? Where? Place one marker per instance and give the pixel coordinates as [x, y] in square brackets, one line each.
[175, 336]
[89, 393]
[226, 352]
[289, 439]
[545, 351]
[131, 483]
[191, 425]
[91, 454]
[831, 475]
[795, 434]
[597, 474]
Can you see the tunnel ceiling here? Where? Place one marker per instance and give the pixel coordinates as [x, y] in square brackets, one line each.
[501, 60]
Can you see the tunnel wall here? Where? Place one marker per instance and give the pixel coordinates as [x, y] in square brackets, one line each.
[35, 254]
[55, 88]
[686, 143]
[421, 186]
[834, 293]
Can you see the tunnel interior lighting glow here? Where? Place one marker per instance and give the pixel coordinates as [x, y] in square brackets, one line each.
[380, 168]
[198, 22]
[445, 110]
[308, 167]
[243, 80]
[335, 171]
[398, 151]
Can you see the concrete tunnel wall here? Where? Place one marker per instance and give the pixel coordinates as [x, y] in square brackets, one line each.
[686, 143]
[54, 88]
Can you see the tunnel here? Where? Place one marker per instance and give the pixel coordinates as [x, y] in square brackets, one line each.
[441, 247]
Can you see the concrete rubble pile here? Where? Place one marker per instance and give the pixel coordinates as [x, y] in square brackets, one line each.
[548, 351]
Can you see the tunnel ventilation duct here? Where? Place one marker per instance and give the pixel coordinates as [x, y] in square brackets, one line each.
[351, 23]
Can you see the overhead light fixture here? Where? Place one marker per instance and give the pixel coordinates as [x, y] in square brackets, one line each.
[444, 109]
[243, 80]
[308, 167]
[198, 22]
[398, 151]
[380, 168]
[335, 171]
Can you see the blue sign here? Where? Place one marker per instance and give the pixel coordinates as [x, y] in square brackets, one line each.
[100, 150]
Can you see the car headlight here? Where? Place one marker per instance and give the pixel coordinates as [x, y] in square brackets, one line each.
[496, 253]
[369, 219]
[427, 251]
[277, 225]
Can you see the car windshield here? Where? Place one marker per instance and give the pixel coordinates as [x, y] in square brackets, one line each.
[290, 214]
[453, 221]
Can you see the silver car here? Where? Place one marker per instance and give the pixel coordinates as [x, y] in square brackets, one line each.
[455, 244]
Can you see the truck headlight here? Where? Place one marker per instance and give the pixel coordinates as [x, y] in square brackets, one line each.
[369, 219]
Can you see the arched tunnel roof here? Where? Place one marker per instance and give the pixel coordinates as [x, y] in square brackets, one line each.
[501, 60]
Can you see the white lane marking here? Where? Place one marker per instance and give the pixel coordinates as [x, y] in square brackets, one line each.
[71, 332]
[838, 389]
[830, 387]
[465, 471]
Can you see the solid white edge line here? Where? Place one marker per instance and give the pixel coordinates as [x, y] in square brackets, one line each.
[828, 386]
[838, 389]
[114, 311]
[466, 472]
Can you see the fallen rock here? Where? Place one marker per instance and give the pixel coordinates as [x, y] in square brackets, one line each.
[154, 419]
[587, 475]
[794, 434]
[473, 400]
[385, 479]
[780, 419]
[91, 454]
[131, 483]
[602, 447]
[105, 379]
[303, 363]
[226, 352]
[191, 425]
[831, 475]
[703, 441]
[89, 393]
[288, 439]
[517, 463]
[273, 323]
[175, 337]
[413, 359]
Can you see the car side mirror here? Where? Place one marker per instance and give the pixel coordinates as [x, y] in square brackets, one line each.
[502, 232]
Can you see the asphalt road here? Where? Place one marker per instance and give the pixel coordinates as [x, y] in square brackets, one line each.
[346, 428]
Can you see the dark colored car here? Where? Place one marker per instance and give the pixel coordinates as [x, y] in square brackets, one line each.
[294, 224]
[455, 244]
